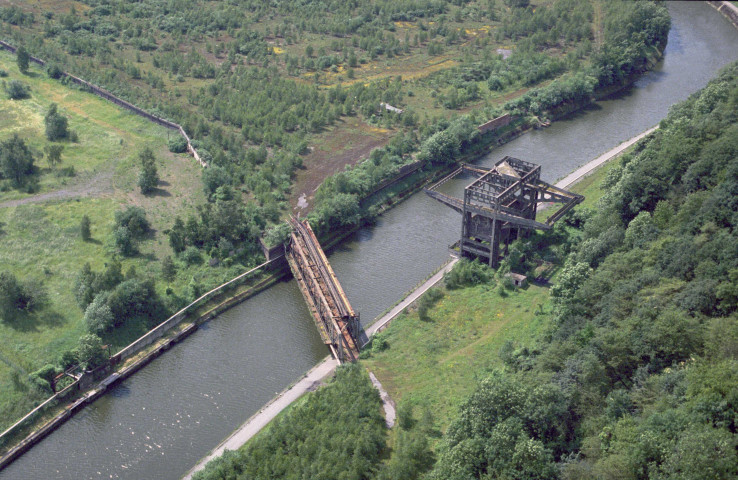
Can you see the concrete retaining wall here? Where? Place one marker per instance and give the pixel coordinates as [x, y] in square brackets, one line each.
[728, 10]
[101, 92]
[403, 172]
[495, 123]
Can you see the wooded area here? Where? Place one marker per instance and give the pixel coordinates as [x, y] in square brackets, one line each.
[637, 375]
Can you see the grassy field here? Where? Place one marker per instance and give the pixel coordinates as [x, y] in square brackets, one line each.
[435, 364]
[40, 230]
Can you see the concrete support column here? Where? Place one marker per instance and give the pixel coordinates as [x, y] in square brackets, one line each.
[494, 243]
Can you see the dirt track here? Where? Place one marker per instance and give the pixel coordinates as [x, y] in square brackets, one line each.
[100, 184]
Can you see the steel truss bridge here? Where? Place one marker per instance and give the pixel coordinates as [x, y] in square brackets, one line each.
[337, 322]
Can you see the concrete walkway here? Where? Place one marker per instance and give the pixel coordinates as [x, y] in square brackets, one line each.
[583, 171]
[259, 420]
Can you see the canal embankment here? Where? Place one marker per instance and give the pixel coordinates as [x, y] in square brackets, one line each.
[727, 9]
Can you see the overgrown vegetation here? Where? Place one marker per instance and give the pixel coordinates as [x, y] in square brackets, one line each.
[320, 438]
[631, 371]
[255, 94]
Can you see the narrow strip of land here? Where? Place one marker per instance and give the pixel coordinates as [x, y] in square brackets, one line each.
[584, 170]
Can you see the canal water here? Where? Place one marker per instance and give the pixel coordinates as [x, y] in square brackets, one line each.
[160, 422]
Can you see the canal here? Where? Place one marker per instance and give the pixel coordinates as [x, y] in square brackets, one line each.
[160, 422]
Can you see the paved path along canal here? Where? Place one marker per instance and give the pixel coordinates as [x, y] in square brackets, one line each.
[160, 422]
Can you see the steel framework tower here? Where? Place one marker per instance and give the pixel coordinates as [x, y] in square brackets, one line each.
[499, 203]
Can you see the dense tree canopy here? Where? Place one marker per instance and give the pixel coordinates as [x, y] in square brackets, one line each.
[322, 438]
[637, 377]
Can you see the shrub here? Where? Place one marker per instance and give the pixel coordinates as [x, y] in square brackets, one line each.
[22, 58]
[135, 298]
[191, 256]
[214, 177]
[91, 352]
[56, 124]
[277, 234]
[53, 71]
[177, 144]
[379, 343]
[16, 296]
[40, 384]
[98, 316]
[16, 160]
[168, 269]
[124, 242]
[405, 416]
[427, 301]
[84, 228]
[468, 273]
[133, 218]
[148, 179]
[17, 90]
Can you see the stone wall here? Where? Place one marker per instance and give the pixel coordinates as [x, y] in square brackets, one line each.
[495, 123]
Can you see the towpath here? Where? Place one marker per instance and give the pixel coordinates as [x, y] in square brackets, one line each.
[586, 169]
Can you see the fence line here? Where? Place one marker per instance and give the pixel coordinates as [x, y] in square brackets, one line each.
[159, 330]
[102, 93]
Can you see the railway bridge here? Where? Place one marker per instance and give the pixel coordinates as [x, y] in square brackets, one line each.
[337, 322]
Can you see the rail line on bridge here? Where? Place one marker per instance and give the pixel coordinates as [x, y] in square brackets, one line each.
[336, 320]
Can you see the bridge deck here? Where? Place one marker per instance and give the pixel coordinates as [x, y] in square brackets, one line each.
[337, 322]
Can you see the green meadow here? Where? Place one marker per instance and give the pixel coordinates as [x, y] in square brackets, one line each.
[40, 225]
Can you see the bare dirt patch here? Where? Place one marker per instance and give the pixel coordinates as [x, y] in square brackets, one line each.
[350, 141]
